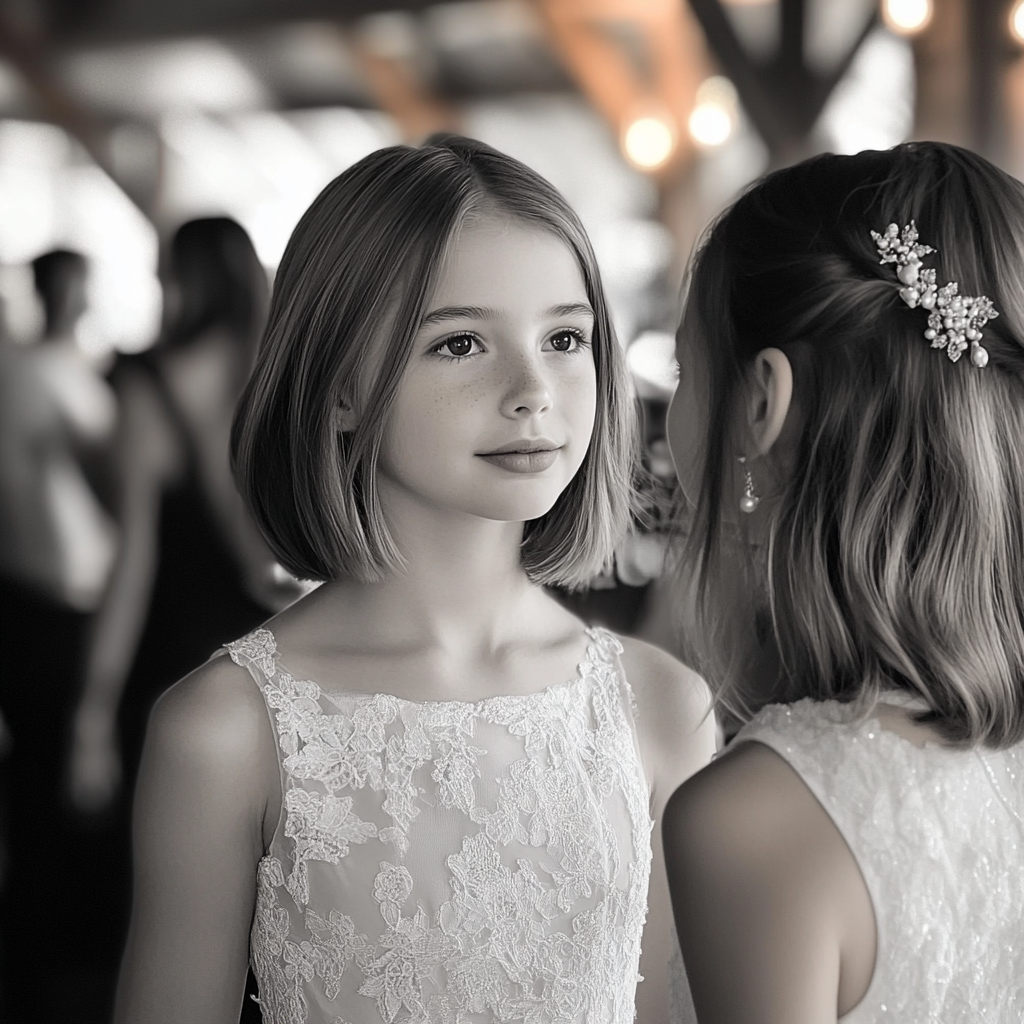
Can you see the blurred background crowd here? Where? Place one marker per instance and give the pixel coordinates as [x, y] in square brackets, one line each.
[154, 159]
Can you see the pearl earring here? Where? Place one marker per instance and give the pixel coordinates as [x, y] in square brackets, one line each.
[750, 500]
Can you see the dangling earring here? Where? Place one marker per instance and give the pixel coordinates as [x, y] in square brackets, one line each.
[750, 500]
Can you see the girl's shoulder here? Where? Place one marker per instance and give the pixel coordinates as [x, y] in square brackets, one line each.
[753, 799]
[675, 716]
[738, 803]
[663, 684]
[751, 815]
[214, 722]
[766, 893]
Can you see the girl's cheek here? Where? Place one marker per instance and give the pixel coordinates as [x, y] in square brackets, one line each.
[581, 369]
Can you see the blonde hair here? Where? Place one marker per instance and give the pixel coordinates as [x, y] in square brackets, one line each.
[895, 557]
[350, 293]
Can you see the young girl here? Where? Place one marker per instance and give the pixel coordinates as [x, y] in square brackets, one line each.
[849, 429]
[446, 814]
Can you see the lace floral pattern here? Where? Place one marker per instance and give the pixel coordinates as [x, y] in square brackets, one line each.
[938, 836]
[448, 862]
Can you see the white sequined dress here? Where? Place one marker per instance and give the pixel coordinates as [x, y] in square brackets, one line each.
[938, 834]
[452, 862]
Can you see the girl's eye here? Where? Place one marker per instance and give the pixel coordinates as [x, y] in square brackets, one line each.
[566, 341]
[457, 346]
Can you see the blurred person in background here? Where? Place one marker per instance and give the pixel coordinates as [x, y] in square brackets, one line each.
[190, 573]
[57, 545]
[55, 536]
[192, 569]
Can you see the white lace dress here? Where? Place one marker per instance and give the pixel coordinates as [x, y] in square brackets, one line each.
[938, 834]
[452, 862]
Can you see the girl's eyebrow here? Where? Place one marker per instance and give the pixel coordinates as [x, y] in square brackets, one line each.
[572, 309]
[444, 313]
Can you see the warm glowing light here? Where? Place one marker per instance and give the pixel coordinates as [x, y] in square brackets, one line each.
[907, 17]
[714, 113]
[652, 361]
[649, 142]
[1017, 22]
[710, 125]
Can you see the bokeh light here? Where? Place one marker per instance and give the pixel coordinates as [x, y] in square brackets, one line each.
[714, 113]
[1017, 22]
[649, 141]
[652, 361]
[907, 17]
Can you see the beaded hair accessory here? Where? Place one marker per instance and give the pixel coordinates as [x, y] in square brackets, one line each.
[953, 319]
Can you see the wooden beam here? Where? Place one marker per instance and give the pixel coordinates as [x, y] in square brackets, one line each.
[597, 64]
[748, 77]
[582, 33]
[680, 63]
[785, 96]
[398, 91]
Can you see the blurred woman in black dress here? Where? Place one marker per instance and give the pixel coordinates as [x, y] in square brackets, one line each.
[192, 571]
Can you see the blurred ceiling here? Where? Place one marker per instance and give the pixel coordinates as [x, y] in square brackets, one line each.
[90, 64]
[251, 105]
[119, 57]
[107, 21]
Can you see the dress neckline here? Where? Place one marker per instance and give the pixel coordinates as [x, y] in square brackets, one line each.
[842, 713]
[264, 637]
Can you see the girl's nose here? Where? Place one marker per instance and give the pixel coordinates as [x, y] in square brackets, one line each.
[527, 393]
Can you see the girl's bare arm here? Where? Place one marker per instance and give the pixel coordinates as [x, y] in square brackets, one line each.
[770, 906]
[676, 727]
[208, 797]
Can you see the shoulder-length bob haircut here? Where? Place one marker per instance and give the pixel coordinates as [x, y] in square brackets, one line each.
[347, 302]
[895, 556]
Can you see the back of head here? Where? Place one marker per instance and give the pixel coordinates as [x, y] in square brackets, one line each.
[219, 283]
[896, 550]
[348, 299]
[59, 278]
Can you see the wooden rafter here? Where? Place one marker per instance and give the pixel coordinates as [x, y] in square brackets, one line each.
[784, 96]
[399, 91]
[583, 34]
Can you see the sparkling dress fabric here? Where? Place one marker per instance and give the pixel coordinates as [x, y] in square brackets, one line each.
[938, 834]
[453, 862]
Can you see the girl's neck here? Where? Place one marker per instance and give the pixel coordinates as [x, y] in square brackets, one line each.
[462, 587]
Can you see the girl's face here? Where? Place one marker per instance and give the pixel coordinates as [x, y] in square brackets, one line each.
[496, 408]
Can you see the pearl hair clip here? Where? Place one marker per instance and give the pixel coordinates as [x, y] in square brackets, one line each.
[953, 319]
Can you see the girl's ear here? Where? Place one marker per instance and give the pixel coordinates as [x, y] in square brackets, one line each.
[769, 397]
[344, 418]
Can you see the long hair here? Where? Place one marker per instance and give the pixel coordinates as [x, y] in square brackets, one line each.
[220, 283]
[895, 554]
[349, 296]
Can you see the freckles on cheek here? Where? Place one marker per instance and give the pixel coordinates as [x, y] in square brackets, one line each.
[452, 400]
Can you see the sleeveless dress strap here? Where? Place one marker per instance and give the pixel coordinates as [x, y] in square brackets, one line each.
[611, 650]
[256, 651]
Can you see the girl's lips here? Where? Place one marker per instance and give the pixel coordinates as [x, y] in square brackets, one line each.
[523, 461]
